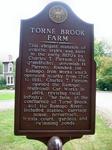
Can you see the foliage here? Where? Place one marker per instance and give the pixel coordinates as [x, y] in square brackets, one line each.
[99, 48]
[103, 66]
[1, 67]
[2, 81]
[105, 84]
[104, 74]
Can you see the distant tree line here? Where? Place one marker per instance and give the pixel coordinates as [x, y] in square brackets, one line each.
[103, 58]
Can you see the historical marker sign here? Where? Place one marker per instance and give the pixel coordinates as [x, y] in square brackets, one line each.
[55, 78]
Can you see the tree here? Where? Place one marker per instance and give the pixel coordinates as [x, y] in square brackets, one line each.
[103, 66]
[99, 47]
[1, 67]
[2, 81]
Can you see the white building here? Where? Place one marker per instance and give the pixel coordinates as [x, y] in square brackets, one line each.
[8, 71]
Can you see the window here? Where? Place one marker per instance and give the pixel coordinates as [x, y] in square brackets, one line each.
[10, 67]
[10, 80]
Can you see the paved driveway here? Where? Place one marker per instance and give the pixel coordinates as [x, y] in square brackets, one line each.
[104, 100]
[7, 104]
[104, 106]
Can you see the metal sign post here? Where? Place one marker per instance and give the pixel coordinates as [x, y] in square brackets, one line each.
[55, 143]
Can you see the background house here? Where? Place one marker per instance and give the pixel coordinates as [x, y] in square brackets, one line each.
[8, 71]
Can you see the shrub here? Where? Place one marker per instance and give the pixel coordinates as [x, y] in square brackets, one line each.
[105, 83]
[2, 83]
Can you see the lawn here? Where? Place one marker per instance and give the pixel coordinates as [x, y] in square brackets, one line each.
[10, 142]
[6, 95]
[102, 140]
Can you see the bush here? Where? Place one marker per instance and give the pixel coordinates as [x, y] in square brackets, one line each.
[105, 83]
[2, 82]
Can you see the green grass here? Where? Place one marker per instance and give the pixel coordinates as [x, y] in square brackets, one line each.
[6, 95]
[10, 142]
[102, 140]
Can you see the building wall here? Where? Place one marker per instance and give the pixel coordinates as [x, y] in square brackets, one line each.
[5, 67]
[8, 72]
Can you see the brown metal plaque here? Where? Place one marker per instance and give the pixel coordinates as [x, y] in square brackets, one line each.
[55, 75]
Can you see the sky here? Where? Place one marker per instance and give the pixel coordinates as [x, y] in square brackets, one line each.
[97, 12]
